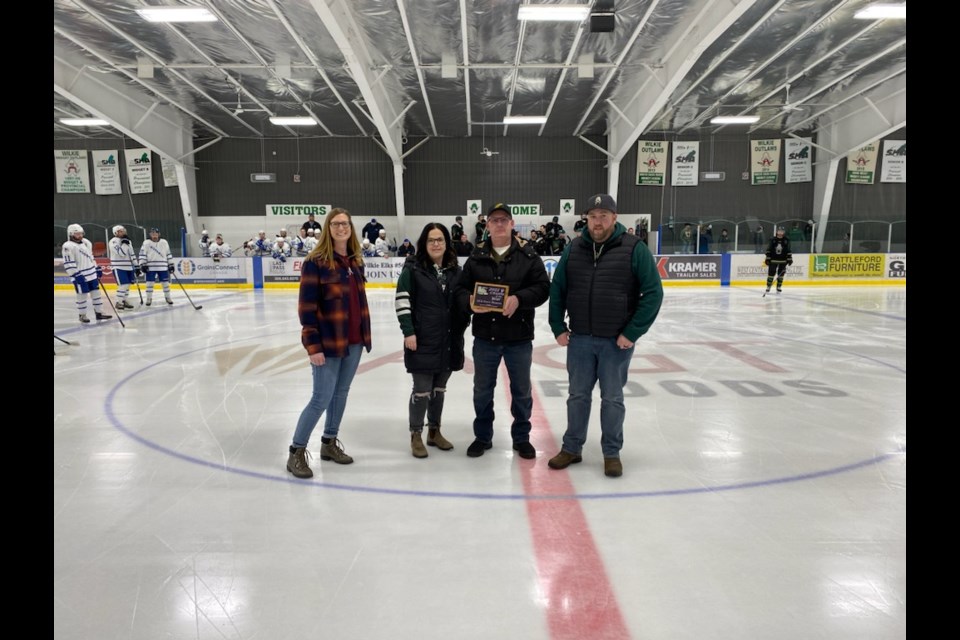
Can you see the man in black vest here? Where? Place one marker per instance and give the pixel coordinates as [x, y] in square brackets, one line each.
[503, 335]
[608, 284]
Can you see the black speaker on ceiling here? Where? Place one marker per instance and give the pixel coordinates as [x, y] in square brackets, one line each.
[602, 19]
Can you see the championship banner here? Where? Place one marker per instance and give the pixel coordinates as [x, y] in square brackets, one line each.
[860, 265]
[71, 171]
[302, 210]
[797, 166]
[169, 170]
[685, 169]
[764, 161]
[894, 167]
[106, 173]
[862, 164]
[139, 172]
[651, 162]
[474, 208]
[568, 207]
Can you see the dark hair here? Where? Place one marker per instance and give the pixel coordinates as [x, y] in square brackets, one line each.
[449, 255]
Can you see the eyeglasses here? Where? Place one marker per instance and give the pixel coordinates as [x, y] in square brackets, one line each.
[498, 220]
[436, 241]
[342, 225]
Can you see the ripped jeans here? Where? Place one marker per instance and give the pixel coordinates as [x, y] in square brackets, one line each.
[429, 390]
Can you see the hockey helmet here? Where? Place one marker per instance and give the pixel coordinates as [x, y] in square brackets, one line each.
[74, 229]
[118, 228]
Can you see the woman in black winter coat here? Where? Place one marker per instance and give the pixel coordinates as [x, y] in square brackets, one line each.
[433, 327]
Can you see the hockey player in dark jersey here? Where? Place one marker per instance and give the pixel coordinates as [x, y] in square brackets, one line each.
[778, 258]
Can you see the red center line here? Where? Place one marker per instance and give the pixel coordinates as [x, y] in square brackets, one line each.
[577, 595]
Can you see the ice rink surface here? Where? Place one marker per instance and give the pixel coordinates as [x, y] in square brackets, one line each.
[763, 495]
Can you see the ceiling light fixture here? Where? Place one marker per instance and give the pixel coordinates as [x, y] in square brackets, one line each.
[176, 14]
[525, 120]
[298, 121]
[881, 11]
[734, 119]
[553, 12]
[84, 122]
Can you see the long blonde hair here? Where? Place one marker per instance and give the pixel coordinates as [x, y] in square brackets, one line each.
[324, 248]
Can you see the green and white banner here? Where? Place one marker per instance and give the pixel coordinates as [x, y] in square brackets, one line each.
[798, 165]
[894, 168]
[862, 164]
[285, 210]
[568, 207]
[651, 162]
[474, 208]
[70, 168]
[169, 169]
[139, 170]
[106, 173]
[685, 168]
[764, 161]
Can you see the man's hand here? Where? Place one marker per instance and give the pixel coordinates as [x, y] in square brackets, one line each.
[513, 303]
[623, 342]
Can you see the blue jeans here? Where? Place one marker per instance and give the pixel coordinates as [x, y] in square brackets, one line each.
[590, 359]
[518, 356]
[331, 384]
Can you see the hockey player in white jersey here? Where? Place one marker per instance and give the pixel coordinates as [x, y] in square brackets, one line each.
[263, 246]
[204, 244]
[123, 265]
[220, 249]
[79, 264]
[281, 250]
[157, 264]
[297, 245]
[311, 241]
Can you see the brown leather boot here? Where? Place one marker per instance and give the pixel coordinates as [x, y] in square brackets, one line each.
[297, 462]
[436, 439]
[416, 445]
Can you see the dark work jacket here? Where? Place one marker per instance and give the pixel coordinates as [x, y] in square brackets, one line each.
[522, 270]
[438, 321]
[602, 293]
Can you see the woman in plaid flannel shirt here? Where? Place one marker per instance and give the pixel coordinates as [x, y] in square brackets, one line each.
[335, 322]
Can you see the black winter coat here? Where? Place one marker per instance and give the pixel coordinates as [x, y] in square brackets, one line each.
[523, 271]
[438, 321]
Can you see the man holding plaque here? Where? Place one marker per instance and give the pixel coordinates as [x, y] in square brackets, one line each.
[607, 285]
[503, 281]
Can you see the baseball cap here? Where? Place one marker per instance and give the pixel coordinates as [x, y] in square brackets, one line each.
[601, 201]
[500, 207]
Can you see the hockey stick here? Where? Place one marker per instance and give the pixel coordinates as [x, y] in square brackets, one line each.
[136, 279]
[61, 339]
[195, 306]
[110, 302]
